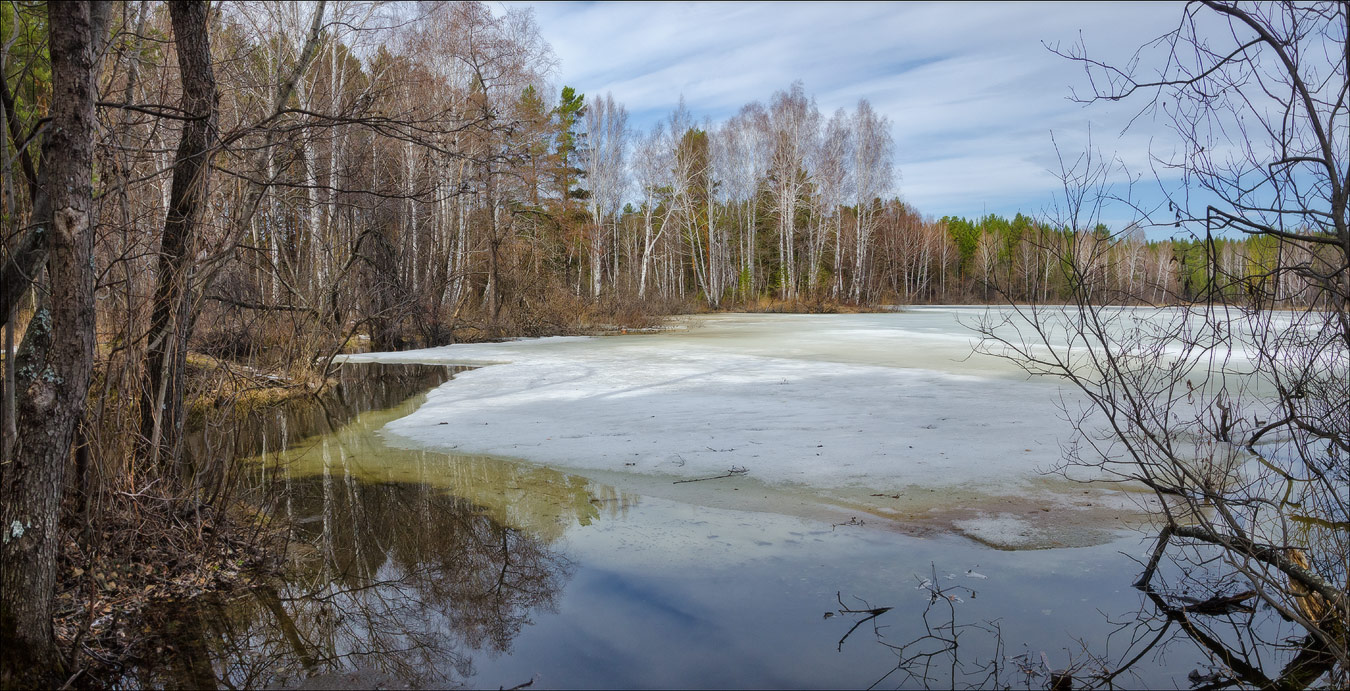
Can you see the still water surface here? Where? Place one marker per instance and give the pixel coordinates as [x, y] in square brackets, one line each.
[426, 569]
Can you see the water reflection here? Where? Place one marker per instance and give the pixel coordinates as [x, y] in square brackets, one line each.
[1194, 622]
[221, 436]
[403, 564]
[539, 500]
[358, 388]
[393, 581]
[411, 568]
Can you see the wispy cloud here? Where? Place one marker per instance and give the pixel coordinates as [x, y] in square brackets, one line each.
[971, 90]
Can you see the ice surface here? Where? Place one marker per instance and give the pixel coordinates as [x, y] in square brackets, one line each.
[826, 401]
[1004, 530]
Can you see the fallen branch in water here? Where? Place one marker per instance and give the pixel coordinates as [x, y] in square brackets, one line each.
[872, 613]
[1221, 604]
[734, 471]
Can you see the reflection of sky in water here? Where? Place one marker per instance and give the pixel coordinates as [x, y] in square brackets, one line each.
[677, 595]
[669, 594]
[501, 572]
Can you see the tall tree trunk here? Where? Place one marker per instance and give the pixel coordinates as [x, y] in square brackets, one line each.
[171, 320]
[55, 359]
[8, 431]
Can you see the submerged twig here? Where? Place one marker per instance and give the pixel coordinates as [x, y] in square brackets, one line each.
[734, 471]
[872, 613]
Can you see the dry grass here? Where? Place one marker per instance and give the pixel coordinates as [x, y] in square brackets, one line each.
[216, 384]
[804, 305]
[560, 312]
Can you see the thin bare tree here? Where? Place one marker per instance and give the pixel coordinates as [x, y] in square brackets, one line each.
[1234, 406]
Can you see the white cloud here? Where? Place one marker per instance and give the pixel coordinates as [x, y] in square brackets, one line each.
[971, 91]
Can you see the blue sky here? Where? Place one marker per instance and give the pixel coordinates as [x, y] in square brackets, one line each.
[971, 90]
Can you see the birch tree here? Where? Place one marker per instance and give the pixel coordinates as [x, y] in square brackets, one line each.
[604, 159]
[872, 175]
[654, 164]
[831, 171]
[747, 152]
[793, 122]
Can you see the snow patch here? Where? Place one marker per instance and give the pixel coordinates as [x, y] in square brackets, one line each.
[828, 401]
[1003, 530]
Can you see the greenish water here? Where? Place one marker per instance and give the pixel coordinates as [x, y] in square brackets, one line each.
[426, 569]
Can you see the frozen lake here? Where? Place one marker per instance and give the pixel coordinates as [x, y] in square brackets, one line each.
[891, 414]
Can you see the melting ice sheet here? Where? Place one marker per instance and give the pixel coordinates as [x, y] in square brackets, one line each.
[856, 408]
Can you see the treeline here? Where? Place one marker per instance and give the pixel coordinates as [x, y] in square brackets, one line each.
[994, 259]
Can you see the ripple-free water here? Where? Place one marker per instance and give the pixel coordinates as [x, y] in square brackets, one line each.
[426, 569]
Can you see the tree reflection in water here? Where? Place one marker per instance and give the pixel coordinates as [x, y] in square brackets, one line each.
[403, 564]
[402, 580]
[1193, 609]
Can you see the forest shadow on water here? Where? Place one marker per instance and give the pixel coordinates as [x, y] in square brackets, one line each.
[391, 579]
[412, 568]
[358, 388]
[391, 584]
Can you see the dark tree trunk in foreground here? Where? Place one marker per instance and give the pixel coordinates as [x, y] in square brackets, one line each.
[171, 321]
[54, 360]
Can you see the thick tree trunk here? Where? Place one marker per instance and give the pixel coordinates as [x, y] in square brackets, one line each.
[171, 320]
[54, 362]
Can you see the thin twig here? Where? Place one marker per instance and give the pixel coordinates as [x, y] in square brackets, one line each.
[734, 471]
